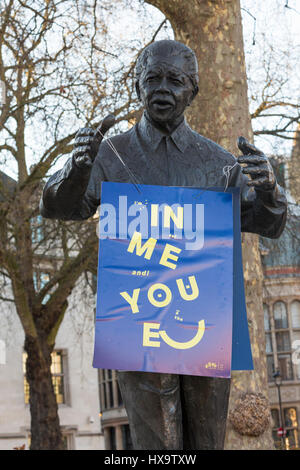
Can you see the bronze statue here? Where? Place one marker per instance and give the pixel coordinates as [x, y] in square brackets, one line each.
[168, 411]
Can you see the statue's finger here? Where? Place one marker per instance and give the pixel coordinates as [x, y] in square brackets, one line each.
[105, 125]
[83, 140]
[85, 132]
[82, 150]
[256, 170]
[258, 182]
[247, 148]
[84, 161]
[252, 159]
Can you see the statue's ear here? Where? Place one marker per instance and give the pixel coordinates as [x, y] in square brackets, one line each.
[195, 92]
[137, 89]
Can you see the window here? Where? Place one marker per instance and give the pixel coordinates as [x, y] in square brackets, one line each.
[57, 371]
[110, 396]
[267, 328]
[291, 440]
[295, 313]
[290, 417]
[58, 365]
[280, 315]
[291, 426]
[282, 334]
[26, 384]
[283, 341]
[267, 318]
[126, 437]
[118, 437]
[275, 418]
[285, 366]
[68, 440]
[112, 438]
[276, 423]
[268, 343]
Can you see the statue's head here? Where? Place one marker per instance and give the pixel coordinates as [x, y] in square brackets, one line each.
[166, 79]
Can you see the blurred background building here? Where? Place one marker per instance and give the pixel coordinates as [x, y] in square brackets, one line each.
[282, 330]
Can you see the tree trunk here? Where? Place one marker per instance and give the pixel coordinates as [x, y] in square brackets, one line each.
[213, 29]
[45, 429]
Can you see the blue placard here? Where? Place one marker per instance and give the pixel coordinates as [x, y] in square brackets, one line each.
[241, 347]
[168, 296]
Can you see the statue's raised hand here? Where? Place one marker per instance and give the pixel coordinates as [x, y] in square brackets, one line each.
[257, 165]
[87, 141]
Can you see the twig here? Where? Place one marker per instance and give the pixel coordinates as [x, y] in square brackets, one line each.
[290, 8]
[254, 27]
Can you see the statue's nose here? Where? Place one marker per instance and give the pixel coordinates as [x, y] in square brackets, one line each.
[163, 85]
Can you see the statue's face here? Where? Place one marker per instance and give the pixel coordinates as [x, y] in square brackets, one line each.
[165, 89]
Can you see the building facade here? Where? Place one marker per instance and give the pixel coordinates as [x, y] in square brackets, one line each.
[281, 263]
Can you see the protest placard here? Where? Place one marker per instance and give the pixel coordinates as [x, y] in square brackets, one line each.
[165, 280]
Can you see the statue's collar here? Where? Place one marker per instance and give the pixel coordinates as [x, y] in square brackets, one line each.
[153, 136]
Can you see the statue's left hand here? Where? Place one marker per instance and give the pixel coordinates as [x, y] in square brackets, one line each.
[257, 165]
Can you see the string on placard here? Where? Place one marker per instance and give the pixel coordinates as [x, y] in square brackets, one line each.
[131, 175]
[226, 172]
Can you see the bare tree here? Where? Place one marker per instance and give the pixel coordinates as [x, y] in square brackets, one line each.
[272, 57]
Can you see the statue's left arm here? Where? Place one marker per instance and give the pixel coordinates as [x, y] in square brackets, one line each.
[263, 202]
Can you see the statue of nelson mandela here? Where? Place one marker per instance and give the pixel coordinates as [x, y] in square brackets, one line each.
[168, 411]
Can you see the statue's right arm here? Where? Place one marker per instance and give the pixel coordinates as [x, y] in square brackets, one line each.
[73, 193]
